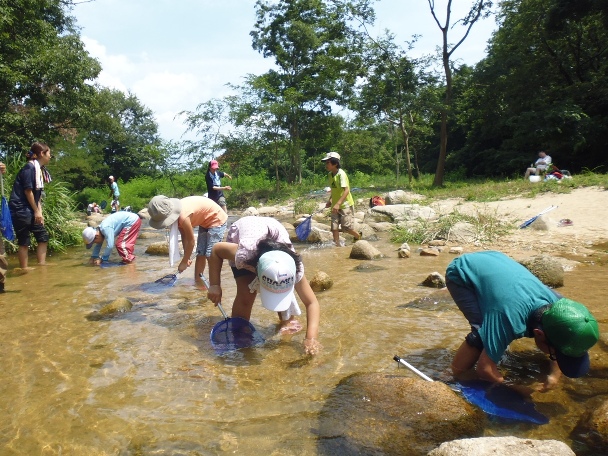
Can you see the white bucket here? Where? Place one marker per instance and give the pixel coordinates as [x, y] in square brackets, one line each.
[535, 178]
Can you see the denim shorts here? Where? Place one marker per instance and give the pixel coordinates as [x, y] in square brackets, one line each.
[207, 238]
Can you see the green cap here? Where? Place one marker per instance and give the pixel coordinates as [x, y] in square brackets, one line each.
[570, 327]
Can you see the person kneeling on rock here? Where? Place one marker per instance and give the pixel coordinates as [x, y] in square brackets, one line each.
[504, 301]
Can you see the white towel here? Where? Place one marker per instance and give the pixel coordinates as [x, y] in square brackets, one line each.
[174, 255]
[39, 179]
[293, 311]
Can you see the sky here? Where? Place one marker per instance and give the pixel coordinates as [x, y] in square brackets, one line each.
[175, 54]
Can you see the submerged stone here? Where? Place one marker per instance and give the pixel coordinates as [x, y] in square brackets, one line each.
[376, 413]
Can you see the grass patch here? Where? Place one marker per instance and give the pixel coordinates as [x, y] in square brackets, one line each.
[485, 225]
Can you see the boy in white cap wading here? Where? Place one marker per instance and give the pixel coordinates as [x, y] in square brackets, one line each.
[119, 229]
[341, 200]
[262, 259]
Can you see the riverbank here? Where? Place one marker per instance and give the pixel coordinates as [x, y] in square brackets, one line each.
[583, 207]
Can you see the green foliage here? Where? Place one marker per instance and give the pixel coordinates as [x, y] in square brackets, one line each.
[305, 205]
[44, 74]
[542, 87]
[59, 217]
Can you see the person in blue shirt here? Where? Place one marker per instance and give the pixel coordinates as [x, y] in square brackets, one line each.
[504, 301]
[119, 229]
[114, 194]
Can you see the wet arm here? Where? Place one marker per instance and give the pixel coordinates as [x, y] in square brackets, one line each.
[37, 208]
[313, 311]
[187, 232]
[221, 251]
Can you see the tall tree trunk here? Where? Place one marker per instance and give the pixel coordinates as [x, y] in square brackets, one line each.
[405, 138]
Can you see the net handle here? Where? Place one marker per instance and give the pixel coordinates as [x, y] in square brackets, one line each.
[219, 304]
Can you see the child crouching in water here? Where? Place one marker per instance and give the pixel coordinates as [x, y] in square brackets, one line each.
[120, 229]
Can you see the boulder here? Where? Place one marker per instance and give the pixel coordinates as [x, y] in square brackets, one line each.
[158, 248]
[144, 214]
[363, 250]
[384, 414]
[249, 211]
[592, 428]
[321, 281]
[434, 280]
[149, 234]
[401, 197]
[94, 220]
[400, 212]
[429, 251]
[404, 251]
[119, 305]
[380, 226]
[463, 232]
[319, 235]
[542, 223]
[503, 446]
[268, 211]
[547, 269]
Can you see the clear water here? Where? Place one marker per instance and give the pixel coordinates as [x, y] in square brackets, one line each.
[148, 382]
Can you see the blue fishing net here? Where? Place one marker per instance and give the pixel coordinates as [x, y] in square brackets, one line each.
[303, 229]
[234, 333]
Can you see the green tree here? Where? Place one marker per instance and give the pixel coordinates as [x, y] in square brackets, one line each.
[44, 73]
[124, 135]
[541, 87]
[394, 93]
[317, 54]
[479, 9]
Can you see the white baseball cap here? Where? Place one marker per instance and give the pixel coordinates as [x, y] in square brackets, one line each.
[277, 276]
[88, 235]
[331, 155]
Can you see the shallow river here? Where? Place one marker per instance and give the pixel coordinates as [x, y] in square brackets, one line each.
[148, 382]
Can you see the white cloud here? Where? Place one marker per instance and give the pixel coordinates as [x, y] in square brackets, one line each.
[189, 50]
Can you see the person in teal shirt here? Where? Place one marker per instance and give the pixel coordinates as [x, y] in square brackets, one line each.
[340, 200]
[504, 301]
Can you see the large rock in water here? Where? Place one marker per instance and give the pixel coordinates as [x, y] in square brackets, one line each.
[118, 306]
[321, 281]
[381, 414]
[363, 250]
[547, 269]
[503, 446]
[592, 427]
[158, 248]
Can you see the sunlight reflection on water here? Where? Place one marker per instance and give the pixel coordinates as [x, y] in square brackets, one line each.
[148, 380]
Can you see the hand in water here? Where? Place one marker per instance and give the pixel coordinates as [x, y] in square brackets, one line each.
[290, 327]
[312, 346]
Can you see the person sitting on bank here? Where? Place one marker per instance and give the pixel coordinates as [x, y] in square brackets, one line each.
[540, 165]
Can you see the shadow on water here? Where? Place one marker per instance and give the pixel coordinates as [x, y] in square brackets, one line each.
[148, 381]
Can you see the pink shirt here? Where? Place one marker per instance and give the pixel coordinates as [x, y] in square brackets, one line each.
[247, 231]
[202, 212]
